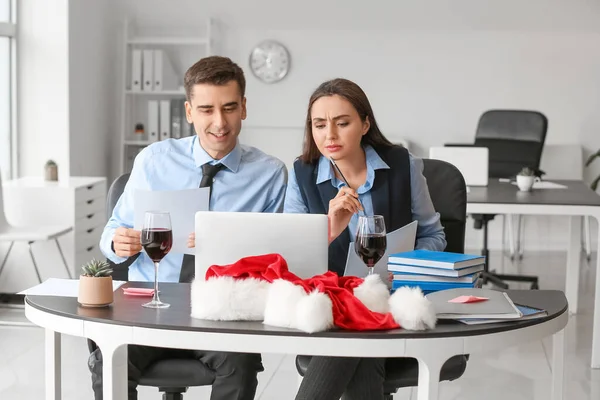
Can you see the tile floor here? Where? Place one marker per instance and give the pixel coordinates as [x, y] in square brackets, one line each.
[522, 372]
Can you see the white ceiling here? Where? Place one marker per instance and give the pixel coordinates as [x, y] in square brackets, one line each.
[525, 15]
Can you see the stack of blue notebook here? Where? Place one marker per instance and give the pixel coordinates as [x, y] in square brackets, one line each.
[435, 270]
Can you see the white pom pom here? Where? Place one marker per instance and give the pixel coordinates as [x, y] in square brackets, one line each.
[374, 294]
[315, 313]
[411, 309]
[228, 299]
[282, 299]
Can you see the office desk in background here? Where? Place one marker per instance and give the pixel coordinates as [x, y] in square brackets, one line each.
[575, 201]
[127, 322]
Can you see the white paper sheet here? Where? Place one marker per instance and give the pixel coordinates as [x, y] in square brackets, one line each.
[402, 239]
[181, 204]
[546, 185]
[60, 287]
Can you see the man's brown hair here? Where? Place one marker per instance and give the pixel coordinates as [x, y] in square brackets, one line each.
[215, 70]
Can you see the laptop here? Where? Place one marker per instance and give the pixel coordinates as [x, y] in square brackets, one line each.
[222, 238]
[471, 161]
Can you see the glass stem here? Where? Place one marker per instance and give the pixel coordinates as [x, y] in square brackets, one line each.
[156, 299]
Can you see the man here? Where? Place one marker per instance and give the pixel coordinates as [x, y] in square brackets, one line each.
[248, 181]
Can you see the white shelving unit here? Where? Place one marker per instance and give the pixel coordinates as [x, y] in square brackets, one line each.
[182, 50]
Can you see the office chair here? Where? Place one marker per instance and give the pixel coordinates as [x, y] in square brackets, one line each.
[174, 376]
[449, 196]
[515, 139]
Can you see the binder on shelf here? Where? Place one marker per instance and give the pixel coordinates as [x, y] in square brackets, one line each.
[136, 70]
[165, 119]
[177, 113]
[164, 74]
[147, 70]
[153, 126]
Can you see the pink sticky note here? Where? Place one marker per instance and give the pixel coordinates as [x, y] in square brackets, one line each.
[138, 291]
[467, 299]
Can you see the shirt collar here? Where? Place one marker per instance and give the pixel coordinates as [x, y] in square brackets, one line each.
[374, 162]
[231, 161]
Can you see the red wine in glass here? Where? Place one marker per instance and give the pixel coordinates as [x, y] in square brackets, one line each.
[157, 239]
[370, 248]
[157, 242]
[371, 240]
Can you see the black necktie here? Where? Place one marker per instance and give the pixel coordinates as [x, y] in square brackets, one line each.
[188, 265]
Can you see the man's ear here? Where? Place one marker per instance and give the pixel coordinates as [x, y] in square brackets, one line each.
[243, 108]
[366, 125]
[188, 112]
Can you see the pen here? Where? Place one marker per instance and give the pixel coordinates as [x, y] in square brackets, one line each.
[344, 179]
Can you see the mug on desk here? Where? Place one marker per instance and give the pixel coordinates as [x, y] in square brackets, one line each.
[525, 182]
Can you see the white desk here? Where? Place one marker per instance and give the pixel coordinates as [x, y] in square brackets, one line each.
[127, 322]
[576, 201]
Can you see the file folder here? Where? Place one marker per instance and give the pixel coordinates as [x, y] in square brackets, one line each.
[147, 70]
[165, 119]
[153, 133]
[136, 70]
[164, 74]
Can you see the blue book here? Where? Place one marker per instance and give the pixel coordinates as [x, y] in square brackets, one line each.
[410, 277]
[436, 259]
[431, 286]
[398, 268]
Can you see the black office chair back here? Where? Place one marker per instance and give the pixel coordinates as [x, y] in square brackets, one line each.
[120, 271]
[114, 193]
[449, 196]
[515, 139]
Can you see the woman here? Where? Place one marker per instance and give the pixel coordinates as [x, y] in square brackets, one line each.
[383, 179]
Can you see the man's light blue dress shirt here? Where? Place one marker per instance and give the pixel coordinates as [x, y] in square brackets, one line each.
[251, 182]
[430, 233]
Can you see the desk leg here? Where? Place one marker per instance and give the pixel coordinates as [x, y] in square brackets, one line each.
[558, 365]
[573, 264]
[53, 365]
[429, 379]
[114, 372]
[596, 324]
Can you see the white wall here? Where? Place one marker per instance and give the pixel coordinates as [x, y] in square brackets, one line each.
[92, 72]
[429, 67]
[66, 82]
[43, 86]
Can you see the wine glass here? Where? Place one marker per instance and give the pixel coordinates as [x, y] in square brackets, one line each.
[371, 240]
[157, 239]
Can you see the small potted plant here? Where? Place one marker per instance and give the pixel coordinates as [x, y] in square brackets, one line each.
[525, 179]
[95, 284]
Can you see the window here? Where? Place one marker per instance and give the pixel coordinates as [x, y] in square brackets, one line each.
[7, 85]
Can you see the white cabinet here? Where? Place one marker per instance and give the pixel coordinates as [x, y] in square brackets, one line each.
[79, 202]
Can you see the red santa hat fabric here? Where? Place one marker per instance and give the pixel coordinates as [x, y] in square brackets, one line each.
[262, 288]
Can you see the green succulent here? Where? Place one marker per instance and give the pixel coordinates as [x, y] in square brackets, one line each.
[97, 269]
[596, 181]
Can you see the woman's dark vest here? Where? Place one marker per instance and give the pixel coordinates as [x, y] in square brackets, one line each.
[390, 195]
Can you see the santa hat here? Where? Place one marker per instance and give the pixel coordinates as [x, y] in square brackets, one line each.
[261, 288]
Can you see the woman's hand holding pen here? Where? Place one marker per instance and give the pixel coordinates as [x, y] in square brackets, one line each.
[341, 208]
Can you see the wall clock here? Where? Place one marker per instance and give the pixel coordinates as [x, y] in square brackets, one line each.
[270, 61]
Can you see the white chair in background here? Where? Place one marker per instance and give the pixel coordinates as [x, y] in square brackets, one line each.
[30, 235]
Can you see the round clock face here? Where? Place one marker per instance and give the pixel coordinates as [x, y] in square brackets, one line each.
[270, 61]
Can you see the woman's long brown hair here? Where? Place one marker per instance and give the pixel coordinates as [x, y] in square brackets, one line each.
[355, 95]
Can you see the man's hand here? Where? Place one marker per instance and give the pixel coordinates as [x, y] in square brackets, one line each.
[191, 243]
[127, 242]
